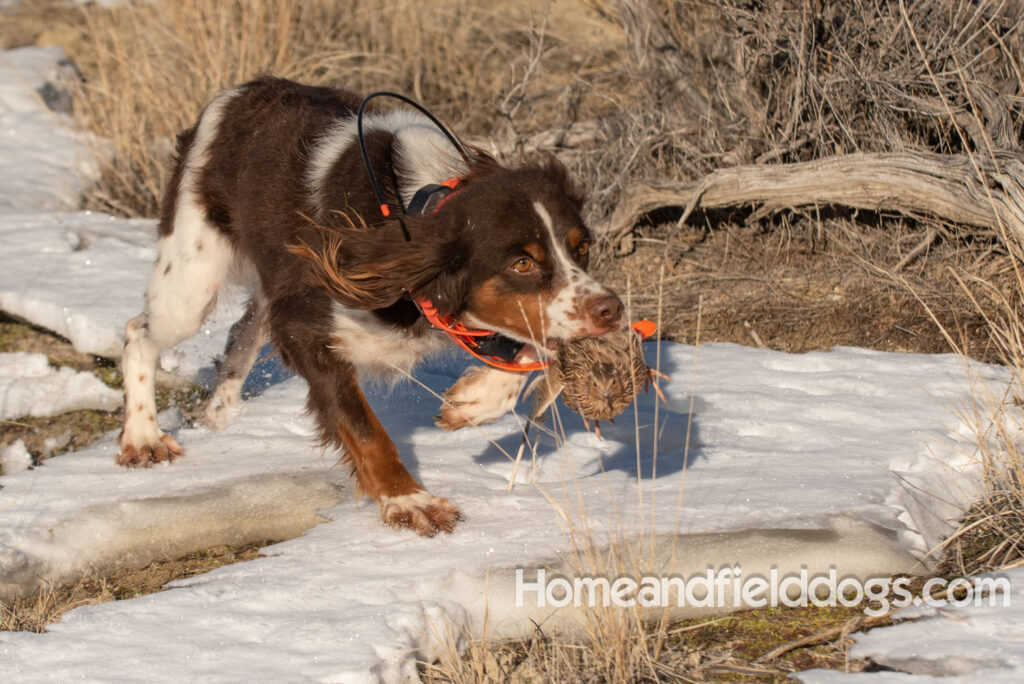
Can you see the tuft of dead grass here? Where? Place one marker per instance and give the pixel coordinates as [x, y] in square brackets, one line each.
[991, 533]
[754, 645]
[34, 613]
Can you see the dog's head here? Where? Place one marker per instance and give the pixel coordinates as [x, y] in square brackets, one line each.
[506, 251]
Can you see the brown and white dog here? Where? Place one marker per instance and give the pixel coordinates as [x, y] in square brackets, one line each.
[270, 190]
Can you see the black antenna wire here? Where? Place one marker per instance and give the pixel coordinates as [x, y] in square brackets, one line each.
[366, 157]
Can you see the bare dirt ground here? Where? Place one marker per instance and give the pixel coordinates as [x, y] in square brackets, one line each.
[806, 285]
[75, 429]
[34, 613]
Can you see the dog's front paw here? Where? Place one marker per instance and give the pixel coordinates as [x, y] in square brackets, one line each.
[452, 417]
[147, 451]
[481, 395]
[420, 511]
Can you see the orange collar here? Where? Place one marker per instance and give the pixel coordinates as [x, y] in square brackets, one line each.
[467, 338]
[470, 338]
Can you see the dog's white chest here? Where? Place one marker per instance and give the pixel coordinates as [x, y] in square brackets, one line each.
[376, 348]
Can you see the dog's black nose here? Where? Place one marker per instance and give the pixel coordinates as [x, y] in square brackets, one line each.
[606, 310]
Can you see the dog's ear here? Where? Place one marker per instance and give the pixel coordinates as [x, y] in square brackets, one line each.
[448, 290]
[372, 268]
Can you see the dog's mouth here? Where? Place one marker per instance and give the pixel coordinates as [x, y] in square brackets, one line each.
[550, 345]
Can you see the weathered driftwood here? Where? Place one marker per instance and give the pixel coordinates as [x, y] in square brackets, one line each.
[985, 191]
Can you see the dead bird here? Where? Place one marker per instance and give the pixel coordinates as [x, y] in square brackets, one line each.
[598, 377]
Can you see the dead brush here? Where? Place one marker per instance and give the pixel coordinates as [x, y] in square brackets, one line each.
[147, 67]
[34, 613]
[991, 534]
[734, 83]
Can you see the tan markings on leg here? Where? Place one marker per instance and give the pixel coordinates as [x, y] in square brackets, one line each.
[380, 472]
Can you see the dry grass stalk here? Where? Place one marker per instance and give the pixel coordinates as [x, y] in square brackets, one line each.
[149, 67]
[991, 534]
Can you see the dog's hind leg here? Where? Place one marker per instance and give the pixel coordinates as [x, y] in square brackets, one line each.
[189, 272]
[247, 337]
[194, 257]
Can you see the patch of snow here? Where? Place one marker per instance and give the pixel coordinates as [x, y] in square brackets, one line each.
[965, 643]
[14, 458]
[80, 274]
[790, 461]
[83, 276]
[30, 386]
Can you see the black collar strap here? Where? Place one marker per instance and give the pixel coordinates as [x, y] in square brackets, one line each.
[427, 198]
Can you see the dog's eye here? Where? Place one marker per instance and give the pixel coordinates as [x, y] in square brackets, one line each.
[583, 248]
[523, 265]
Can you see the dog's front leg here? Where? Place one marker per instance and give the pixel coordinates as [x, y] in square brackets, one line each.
[481, 395]
[374, 460]
[346, 421]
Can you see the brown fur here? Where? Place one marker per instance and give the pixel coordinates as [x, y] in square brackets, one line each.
[329, 253]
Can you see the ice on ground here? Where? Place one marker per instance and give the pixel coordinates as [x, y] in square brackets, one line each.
[30, 386]
[763, 459]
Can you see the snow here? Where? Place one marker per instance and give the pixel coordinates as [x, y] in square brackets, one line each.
[983, 643]
[41, 163]
[30, 386]
[83, 274]
[955, 643]
[14, 458]
[852, 459]
[791, 461]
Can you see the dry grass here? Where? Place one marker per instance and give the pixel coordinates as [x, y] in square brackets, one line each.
[34, 613]
[148, 68]
[991, 534]
[802, 283]
[736, 82]
[730, 648]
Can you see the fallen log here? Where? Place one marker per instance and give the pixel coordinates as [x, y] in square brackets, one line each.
[986, 191]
